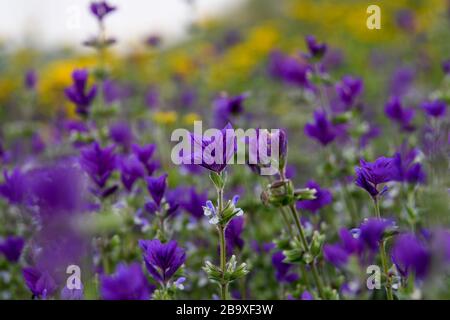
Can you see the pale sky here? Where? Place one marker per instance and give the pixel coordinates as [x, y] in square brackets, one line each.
[54, 22]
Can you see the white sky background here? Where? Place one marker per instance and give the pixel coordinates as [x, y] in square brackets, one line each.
[55, 22]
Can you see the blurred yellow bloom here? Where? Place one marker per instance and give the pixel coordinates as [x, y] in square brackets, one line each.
[189, 118]
[165, 117]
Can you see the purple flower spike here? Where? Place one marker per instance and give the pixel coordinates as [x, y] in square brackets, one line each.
[157, 187]
[13, 187]
[40, 283]
[11, 247]
[101, 9]
[233, 234]
[203, 151]
[127, 283]
[396, 112]
[409, 254]
[78, 92]
[316, 50]
[349, 89]
[322, 129]
[370, 174]
[323, 198]
[435, 108]
[99, 164]
[282, 269]
[162, 259]
[131, 170]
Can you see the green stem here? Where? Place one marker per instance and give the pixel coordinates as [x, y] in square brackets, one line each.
[305, 244]
[383, 256]
[222, 245]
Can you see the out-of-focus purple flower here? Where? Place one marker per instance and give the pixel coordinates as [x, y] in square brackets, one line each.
[409, 254]
[204, 149]
[131, 170]
[127, 283]
[401, 80]
[153, 41]
[40, 283]
[348, 89]
[446, 66]
[101, 9]
[75, 126]
[99, 163]
[440, 246]
[405, 19]
[229, 39]
[144, 154]
[152, 97]
[283, 270]
[435, 108]
[37, 144]
[265, 247]
[162, 259]
[30, 80]
[225, 107]
[72, 294]
[409, 169]
[335, 254]
[157, 187]
[290, 70]
[373, 132]
[193, 202]
[321, 129]
[78, 92]
[11, 247]
[113, 91]
[323, 198]
[316, 50]
[233, 234]
[122, 134]
[370, 174]
[307, 296]
[350, 241]
[396, 112]
[372, 231]
[12, 188]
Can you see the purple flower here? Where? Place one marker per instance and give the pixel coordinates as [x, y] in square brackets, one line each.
[409, 254]
[372, 232]
[99, 164]
[408, 168]
[335, 254]
[13, 187]
[435, 108]
[370, 174]
[121, 133]
[233, 234]
[225, 107]
[401, 80]
[152, 97]
[30, 79]
[127, 283]
[307, 296]
[446, 66]
[321, 129]
[144, 154]
[290, 70]
[11, 247]
[283, 270]
[157, 187]
[162, 259]
[40, 283]
[405, 19]
[113, 91]
[323, 198]
[101, 9]
[72, 294]
[316, 50]
[349, 89]
[78, 92]
[193, 202]
[131, 170]
[204, 149]
[37, 144]
[396, 112]
[153, 41]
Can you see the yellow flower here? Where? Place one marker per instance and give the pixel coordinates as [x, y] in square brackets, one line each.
[190, 118]
[165, 117]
